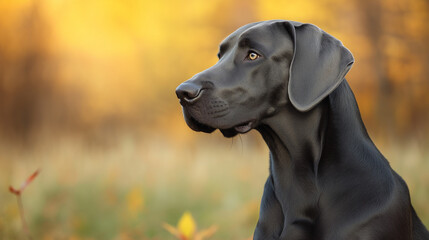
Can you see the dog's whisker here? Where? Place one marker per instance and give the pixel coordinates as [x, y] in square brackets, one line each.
[241, 143]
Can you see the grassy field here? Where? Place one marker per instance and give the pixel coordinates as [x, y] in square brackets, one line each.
[128, 189]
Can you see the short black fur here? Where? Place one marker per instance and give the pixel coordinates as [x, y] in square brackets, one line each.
[327, 180]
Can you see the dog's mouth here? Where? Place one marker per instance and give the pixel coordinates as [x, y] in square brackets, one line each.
[245, 127]
[227, 132]
[238, 129]
[197, 126]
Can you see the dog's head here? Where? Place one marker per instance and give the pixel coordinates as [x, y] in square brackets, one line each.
[261, 67]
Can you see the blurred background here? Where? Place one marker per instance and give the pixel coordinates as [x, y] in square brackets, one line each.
[87, 96]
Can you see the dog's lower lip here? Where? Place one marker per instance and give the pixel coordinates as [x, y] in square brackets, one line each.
[244, 128]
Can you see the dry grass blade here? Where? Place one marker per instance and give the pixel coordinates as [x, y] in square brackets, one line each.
[17, 193]
[24, 184]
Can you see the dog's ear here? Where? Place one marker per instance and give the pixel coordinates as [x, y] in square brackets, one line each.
[319, 65]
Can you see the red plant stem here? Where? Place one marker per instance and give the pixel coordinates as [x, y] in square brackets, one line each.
[21, 212]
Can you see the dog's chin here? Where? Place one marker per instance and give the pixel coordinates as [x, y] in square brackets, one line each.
[229, 133]
[197, 126]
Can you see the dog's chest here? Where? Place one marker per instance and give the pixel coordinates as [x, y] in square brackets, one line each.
[296, 190]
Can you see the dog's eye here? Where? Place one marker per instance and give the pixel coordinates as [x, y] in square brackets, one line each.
[252, 56]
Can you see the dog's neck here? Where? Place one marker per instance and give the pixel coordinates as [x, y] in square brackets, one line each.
[297, 139]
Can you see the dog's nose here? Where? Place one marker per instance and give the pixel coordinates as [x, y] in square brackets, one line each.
[188, 91]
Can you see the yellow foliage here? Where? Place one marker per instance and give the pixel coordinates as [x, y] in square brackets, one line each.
[116, 61]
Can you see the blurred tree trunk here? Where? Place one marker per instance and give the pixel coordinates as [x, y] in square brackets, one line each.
[23, 79]
[425, 85]
[372, 19]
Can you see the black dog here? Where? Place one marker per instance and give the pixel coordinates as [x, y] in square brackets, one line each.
[327, 179]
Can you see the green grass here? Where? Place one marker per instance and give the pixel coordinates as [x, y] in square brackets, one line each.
[129, 189]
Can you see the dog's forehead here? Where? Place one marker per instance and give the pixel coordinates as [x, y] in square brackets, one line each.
[257, 30]
[248, 28]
